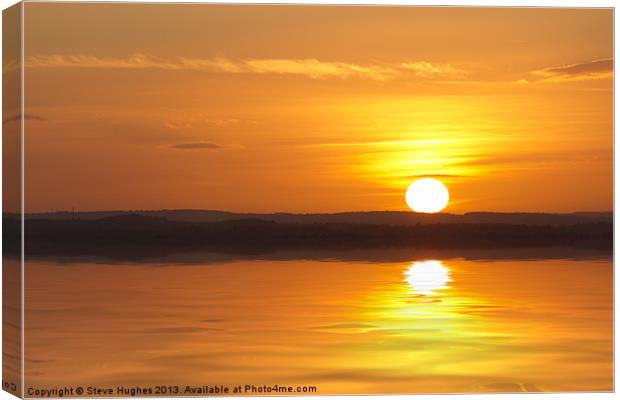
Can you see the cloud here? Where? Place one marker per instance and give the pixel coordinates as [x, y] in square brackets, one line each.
[535, 160]
[18, 117]
[198, 146]
[138, 61]
[177, 125]
[438, 176]
[309, 67]
[205, 146]
[312, 68]
[596, 69]
[425, 69]
[223, 122]
[317, 69]
[396, 143]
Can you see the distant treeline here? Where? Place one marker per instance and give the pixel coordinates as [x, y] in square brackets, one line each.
[352, 217]
[127, 232]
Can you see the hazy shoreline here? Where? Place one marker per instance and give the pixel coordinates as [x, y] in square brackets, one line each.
[138, 237]
[364, 217]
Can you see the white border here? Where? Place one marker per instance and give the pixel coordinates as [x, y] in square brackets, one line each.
[436, 3]
[480, 3]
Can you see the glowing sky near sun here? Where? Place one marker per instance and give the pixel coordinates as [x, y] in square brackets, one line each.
[309, 109]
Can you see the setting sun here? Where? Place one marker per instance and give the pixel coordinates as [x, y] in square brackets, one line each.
[427, 195]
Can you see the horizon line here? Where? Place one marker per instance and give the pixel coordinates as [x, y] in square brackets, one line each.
[301, 212]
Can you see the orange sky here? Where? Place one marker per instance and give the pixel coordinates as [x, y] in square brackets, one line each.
[310, 109]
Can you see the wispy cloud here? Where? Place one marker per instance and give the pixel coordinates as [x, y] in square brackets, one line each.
[202, 146]
[310, 67]
[223, 122]
[197, 146]
[425, 69]
[431, 175]
[596, 69]
[18, 117]
[137, 61]
[197, 122]
[177, 125]
[395, 143]
[318, 69]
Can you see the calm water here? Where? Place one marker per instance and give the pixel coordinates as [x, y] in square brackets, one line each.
[422, 326]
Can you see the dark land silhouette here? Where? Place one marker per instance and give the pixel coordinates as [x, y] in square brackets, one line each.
[363, 217]
[145, 234]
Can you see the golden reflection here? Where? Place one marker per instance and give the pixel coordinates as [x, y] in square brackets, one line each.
[426, 277]
[345, 326]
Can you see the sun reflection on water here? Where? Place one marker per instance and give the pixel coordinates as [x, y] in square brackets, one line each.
[426, 277]
[394, 327]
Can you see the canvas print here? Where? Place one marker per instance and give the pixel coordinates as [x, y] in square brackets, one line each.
[252, 200]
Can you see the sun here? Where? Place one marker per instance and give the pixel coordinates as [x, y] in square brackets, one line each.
[427, 195]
